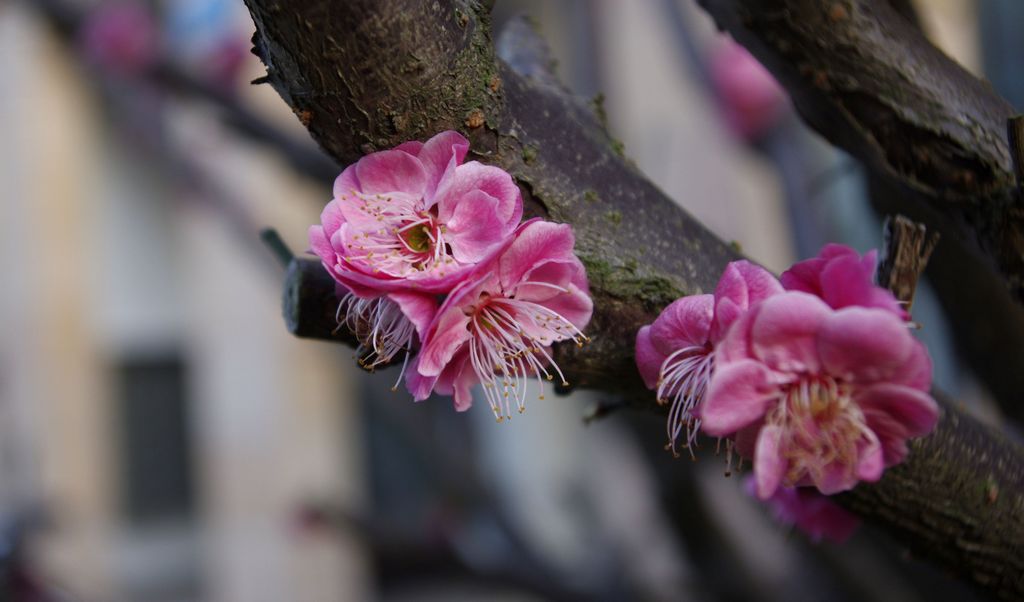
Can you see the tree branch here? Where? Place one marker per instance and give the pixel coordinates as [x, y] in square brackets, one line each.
[866, 78]
[366, 75]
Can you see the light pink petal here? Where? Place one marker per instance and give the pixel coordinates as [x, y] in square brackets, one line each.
[391, 171]
[785, 331]
[738, 394]
[419, 308]
[440, 156]
[912, 408]
[442, 341]
[321, 246]
[536, 242]
[769, 463]
[347, 183]
[550, 279]
[686, 322]
[574, 305]
[864, 344]
[648, 359]
[474, 228]
[331, 218]
[419, 386]
[487, 178]
[413, 147]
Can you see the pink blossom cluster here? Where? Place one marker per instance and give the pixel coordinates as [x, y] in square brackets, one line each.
[430, 256]
[815, 377]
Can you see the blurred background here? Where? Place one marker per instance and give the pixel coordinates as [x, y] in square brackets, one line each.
[162, 437]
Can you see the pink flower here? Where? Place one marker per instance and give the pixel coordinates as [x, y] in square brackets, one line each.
[121, 36]
[842, 278]
[415, 218]
[497, 327]
[809, 511]
[676, 355]
[819, 396]
[752, 100]
[405, 225]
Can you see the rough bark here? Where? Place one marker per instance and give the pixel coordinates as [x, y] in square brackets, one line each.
[867, 78]
[366, 75]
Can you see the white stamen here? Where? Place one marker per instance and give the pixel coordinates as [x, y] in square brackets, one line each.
[508, 346]
[684, 380]
[381, 328]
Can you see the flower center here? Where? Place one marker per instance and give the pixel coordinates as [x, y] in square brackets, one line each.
[407, 238]
[510, 342]
[823, 428]
[683, 381]
[381, 328]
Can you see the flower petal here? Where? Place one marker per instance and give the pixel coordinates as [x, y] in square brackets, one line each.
[769, 463]
[536, 242]
[648, 358]
[864, 344]
[785, 330]
[418, 308]
[686, 322]
[391, 171]
[744, 284]
[321, 246]
[738, 394]
[440, 156]
[487, 178]
[419, 386]
[871, 463]
[445, 338]
[474, 227]
[915, 410]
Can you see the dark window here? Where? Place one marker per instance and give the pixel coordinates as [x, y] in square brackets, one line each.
[154, 437]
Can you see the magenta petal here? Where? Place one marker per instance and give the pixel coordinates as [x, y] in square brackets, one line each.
[536, 242]
[417, 307]
[871, 462]
[847, 281]
[743, 284]
[912, 408]
[769, 463]
[891, 434]
[864, 344]
[916, 371]
[834, 478]
[686, 322]
[391, 171]
[738, 394]
[648, 359]
[474, 229]
[785, 330]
